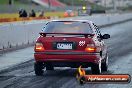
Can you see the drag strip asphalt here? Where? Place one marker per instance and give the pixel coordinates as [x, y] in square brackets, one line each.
[120, 62]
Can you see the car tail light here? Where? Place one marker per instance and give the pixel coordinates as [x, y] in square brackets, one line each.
[90, 48]
[71, 14]
[39, 47]
[65, 14]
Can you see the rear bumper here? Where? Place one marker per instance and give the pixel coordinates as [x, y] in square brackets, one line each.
[69, 64]
[72, 57]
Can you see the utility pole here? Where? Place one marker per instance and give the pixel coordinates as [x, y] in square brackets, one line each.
[72, 5]
[49, 3]
[114, 5]
[105, 4]
[83, 2]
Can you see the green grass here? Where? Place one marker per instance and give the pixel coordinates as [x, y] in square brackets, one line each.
[4, 1]
[75, 2]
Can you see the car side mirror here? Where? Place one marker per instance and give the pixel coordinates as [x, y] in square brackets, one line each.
[106, 36]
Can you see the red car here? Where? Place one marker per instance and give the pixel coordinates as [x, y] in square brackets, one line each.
[69, 13]
[71, 44]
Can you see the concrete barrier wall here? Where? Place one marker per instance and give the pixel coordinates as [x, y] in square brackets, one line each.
[17, 34]
[105, 19]
[14, 35]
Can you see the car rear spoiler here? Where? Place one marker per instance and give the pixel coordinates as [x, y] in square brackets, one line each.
[85, 35]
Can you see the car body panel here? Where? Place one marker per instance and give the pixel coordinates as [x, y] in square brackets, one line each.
[80, 43]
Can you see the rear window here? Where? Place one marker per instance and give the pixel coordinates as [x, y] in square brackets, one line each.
[68, 27]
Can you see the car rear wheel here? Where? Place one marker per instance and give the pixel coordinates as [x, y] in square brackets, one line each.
[38, 68]
[104, 65]
[96, 68]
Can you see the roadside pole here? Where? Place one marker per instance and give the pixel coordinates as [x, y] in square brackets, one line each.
[49, 3]
[114, 5]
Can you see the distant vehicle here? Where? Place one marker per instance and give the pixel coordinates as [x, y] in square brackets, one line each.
[69, 13]
[71, 44]
[84, 12]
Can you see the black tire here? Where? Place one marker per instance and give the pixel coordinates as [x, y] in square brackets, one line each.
[38, 68]
[104, 65]
[96, 69]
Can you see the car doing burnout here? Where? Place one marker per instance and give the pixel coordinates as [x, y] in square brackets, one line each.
[71, 44]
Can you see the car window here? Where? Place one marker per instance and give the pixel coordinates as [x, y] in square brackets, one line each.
[68, 27]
